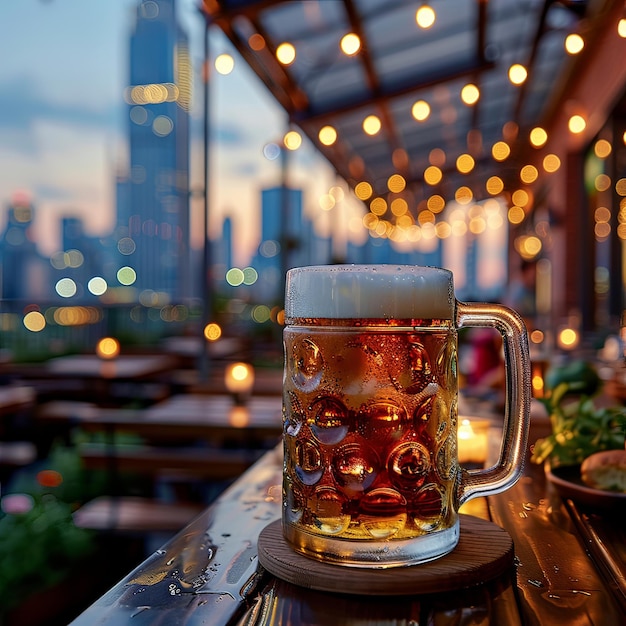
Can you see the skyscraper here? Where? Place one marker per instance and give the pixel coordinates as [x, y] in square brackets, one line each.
[24, 273]
[153, 220]
[283, 234]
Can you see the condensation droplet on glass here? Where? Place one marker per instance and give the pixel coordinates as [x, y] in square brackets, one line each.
[140, 609]
[381, 418]
[430, 508]
[308, 365]
[355, 466]
[308, 458]
[419, 360]
[327, 506]
[383, 527]
[408, 465]
[330, 423]
[293, 505]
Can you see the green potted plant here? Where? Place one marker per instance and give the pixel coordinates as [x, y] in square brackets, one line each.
[579, 427]
[40, 546]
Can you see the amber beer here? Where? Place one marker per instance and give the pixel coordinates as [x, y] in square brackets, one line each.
[371, 476]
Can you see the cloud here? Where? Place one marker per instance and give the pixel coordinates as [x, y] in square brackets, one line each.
[228, 134]
[53, 192]
[245, 169]
[22, 105]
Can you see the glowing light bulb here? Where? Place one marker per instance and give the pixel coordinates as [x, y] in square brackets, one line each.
[577, 124]
[574, 43]
[425, 16]
[286, 53]
[350, 44]
[517, 74]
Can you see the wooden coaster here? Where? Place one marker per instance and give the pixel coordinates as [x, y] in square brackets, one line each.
[484, 552]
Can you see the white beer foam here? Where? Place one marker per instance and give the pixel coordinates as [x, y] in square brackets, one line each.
[369, 291]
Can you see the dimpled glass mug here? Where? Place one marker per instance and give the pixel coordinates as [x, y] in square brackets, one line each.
[371, 476]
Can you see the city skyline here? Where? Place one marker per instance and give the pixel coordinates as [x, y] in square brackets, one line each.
[62, 123]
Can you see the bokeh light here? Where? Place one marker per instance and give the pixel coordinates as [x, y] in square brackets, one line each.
[66, 288]
[470, 94]
[34, 321]
[518, 74]
[432, 175]
[551, 163]
[49, 478]
[396, 183]
[500, 150]
[108, 348]
[126, 275]
[235, 277]
[465, 163]
[162, 125]
[292, 140]
[224, 64]
[425, 16]
[436, 203]
[327, 135]
[261, 313]
[574, 43]
[286, 53]
[350, 44]
[420, 110]
[372, 125]
[97, 286]
[250, 276]
[567, 338]
[602, 148]
[538, 137]
[212, 331]
[363, 190]
[576, 124]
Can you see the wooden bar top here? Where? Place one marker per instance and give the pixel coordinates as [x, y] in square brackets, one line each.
[566, 569]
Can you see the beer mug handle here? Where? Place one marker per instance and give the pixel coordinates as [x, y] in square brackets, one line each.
[518, 396]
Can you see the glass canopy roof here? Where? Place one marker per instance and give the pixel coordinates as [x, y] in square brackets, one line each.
[412, 80]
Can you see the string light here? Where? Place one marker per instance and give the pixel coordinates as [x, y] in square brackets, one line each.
[350, 44]
[538, 137]
[286, 53]
[425, 16]
[420, 110]
[224, 64]
[470, 94]
[372, 125]
[363, 190]
[574, 43]
[292, 140]
[518, 74]
[577, 124]
[500, 150]
[327, 135]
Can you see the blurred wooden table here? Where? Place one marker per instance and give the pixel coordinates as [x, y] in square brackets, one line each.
[186, 417]
[14, 398]
[88, 377]
[568, 569]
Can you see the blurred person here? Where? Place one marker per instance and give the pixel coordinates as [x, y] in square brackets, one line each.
[521, 292]
[483, 364]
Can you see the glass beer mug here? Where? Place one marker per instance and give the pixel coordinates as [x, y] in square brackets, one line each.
[371, 474]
